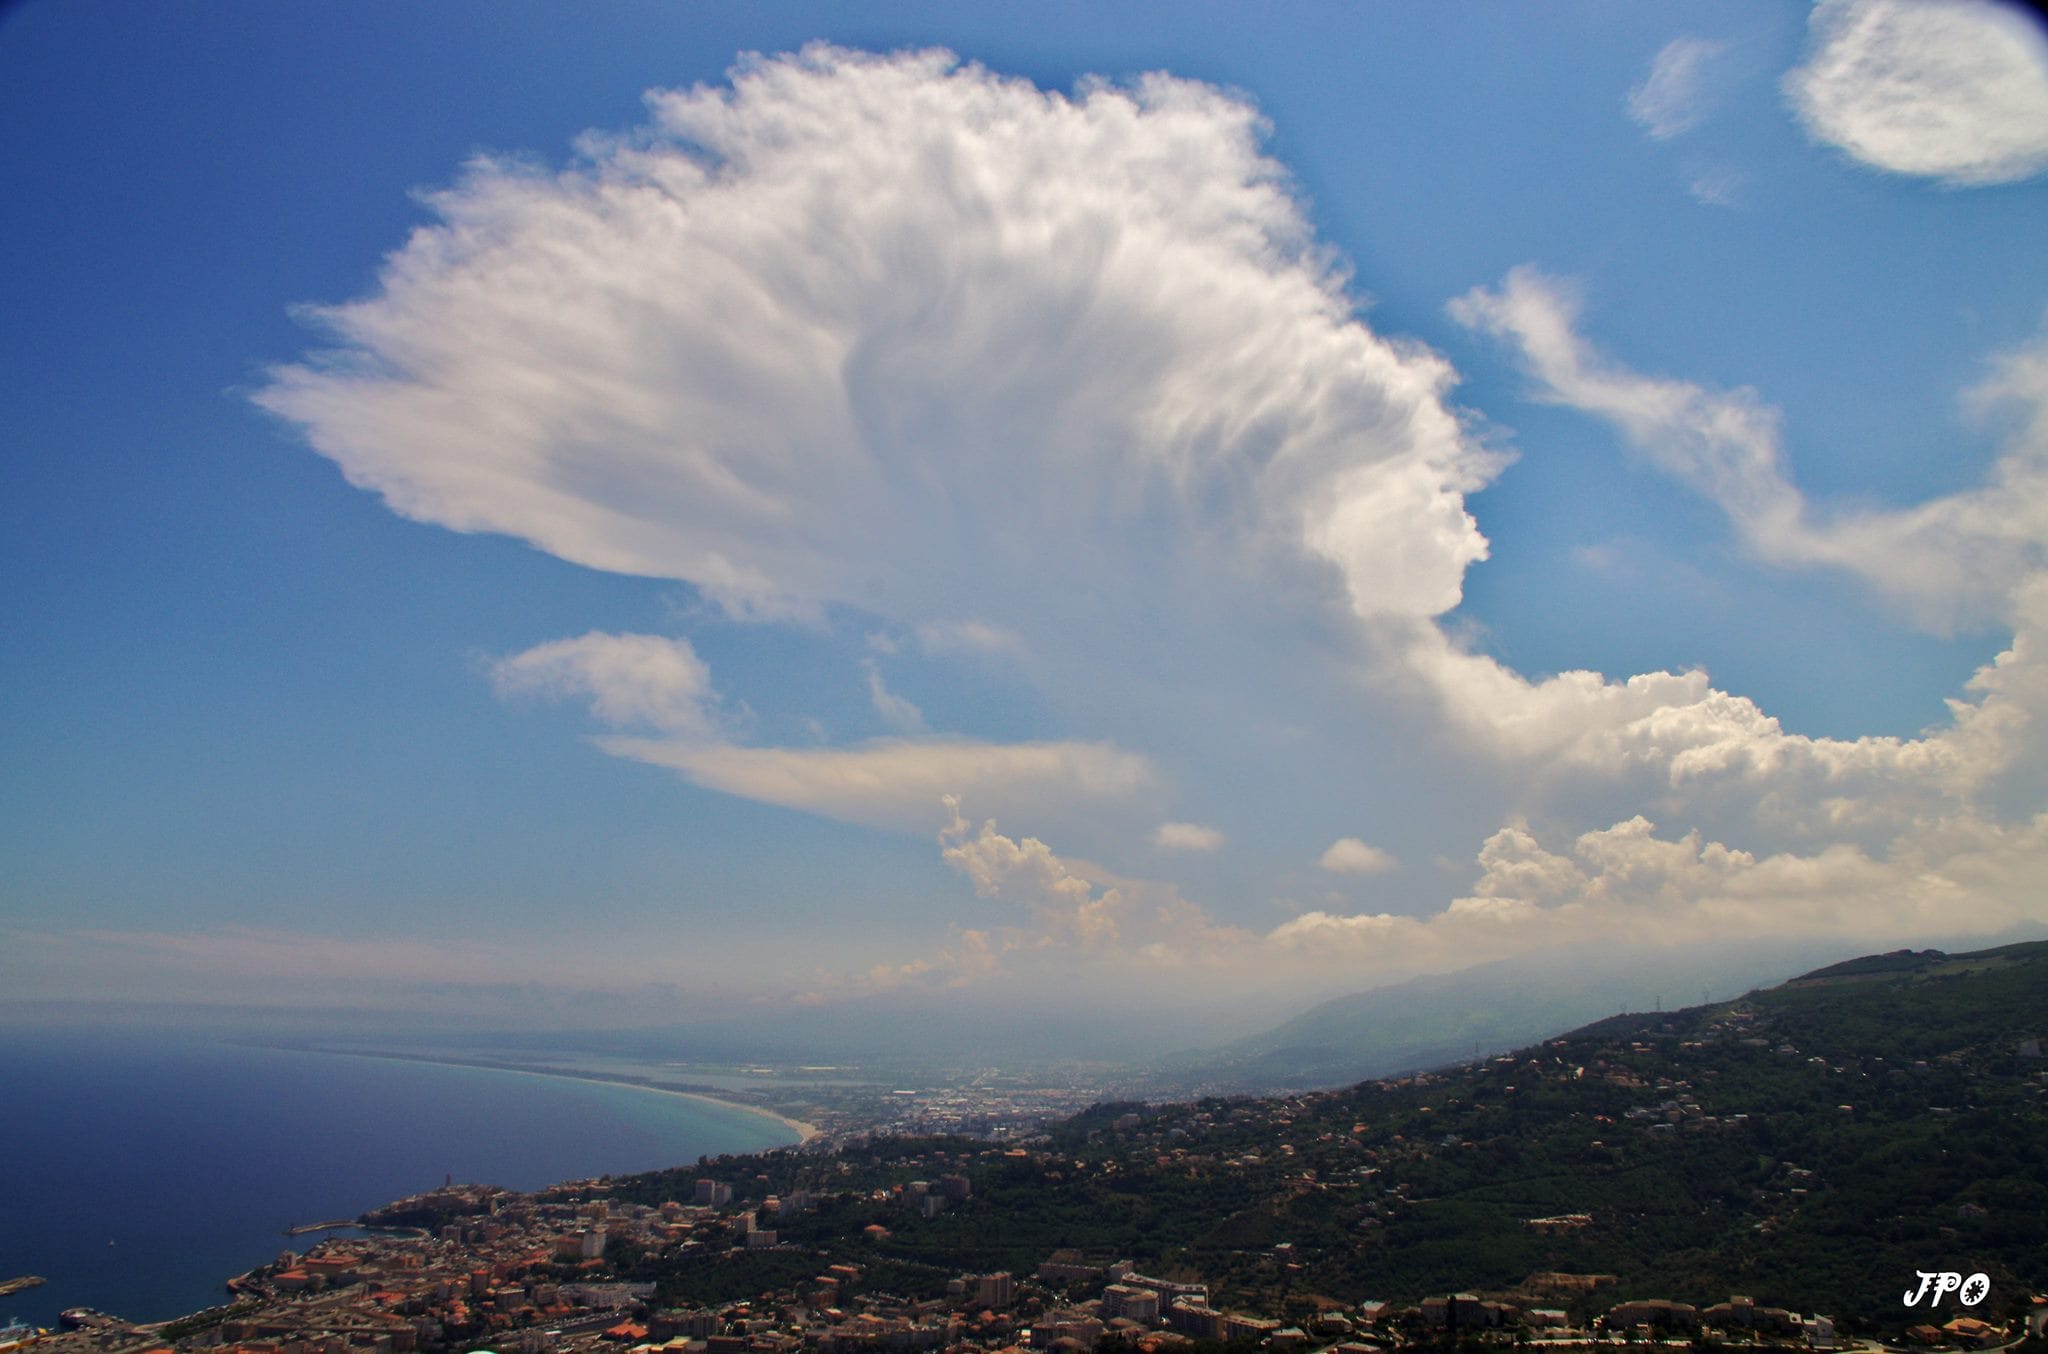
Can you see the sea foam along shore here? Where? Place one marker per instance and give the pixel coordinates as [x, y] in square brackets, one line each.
[804, 1131]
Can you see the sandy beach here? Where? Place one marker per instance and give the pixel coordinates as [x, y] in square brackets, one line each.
[804, 1131]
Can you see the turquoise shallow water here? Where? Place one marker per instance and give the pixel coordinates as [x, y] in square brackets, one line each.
[137, 1176]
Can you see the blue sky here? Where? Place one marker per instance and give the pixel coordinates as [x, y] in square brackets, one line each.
[477, 532]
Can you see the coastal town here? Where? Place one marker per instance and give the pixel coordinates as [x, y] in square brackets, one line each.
[537, 1274]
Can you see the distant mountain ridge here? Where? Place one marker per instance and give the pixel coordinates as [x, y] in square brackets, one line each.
[1447, 1018]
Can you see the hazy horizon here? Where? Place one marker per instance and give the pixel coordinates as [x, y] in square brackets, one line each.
[1150, 1050]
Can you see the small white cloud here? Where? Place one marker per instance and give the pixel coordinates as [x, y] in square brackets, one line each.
[1080, 910]
[1066, 905]
[896, 711]
[1955, 90]
[1717, 187]
[969, 960]
[1601, 557]
[1349, 855]
[968, 636]
[630, 679]
[1186, 837]
[1674, 97]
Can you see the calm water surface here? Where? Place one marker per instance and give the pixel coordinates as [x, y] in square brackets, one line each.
[137, 1176]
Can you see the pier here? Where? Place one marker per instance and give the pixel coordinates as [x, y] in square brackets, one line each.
[381, 1229]
[89, 1319]
[9, 1287]
[305, 1227]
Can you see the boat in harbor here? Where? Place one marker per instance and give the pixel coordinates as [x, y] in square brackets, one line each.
[16, 1337]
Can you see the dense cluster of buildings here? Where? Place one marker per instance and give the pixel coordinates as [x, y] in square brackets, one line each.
[975, 1105]
[529, 1274]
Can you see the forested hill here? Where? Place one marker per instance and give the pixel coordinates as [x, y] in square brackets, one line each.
[1811, 1145]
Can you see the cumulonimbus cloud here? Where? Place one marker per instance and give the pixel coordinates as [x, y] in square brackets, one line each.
[1018, 373]
[815, 337]
[1955, 90]
[1064, 383]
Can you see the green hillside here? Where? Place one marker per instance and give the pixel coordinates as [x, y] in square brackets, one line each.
[1811, 1146]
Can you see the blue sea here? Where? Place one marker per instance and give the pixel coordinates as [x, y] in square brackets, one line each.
[137, 1175]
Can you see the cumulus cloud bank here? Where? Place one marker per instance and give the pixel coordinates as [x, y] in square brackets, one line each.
[1955, 90]
[1624, 885]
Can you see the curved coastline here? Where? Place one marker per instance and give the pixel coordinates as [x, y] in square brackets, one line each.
[239, 1139]
[804, 1131]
